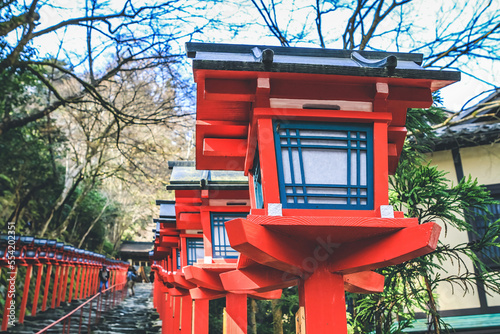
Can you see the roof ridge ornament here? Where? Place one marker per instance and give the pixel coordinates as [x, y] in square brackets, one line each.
[266, 56]
[389, 62]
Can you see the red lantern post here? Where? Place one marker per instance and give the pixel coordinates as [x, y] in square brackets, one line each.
[317, 132]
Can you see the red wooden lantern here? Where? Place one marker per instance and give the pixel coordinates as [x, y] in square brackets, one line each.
[205, 200]
[317, 132]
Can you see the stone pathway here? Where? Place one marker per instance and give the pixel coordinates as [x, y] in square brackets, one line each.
[134, 315]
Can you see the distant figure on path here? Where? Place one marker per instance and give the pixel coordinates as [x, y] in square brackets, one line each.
[103, 277]
[152, 276]
[131, 275]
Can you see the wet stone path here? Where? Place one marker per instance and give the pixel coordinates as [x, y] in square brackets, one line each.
[135, 314]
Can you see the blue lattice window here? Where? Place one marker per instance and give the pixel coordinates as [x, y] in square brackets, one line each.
[220, 242]
[481, 220]
[178, 258]
[194, 250]
[325, 166]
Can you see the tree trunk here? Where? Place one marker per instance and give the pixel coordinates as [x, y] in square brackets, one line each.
[277, 316]
[69, 187]
[434, 320]
[25, 200]
[252, 322]
[72, 213]
[93, 223]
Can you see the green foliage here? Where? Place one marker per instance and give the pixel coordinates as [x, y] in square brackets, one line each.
[215, 320]
[423, 191]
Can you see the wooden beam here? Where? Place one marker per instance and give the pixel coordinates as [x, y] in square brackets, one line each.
[275, 294]
[180, 281]
[230, 89]
[167, 241]
[364, 282]
[203, 278]
[267, 247]
[387, 250]
[189, 221]
[257, 278]
[202, 293]
[224, 147]
[177, 292]
[244, 261]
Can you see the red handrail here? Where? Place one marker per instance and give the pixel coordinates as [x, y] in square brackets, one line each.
[66, 320]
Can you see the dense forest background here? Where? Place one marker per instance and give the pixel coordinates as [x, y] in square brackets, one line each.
[96, 97]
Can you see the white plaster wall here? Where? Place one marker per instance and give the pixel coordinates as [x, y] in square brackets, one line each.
[452, 297]
[483, 163]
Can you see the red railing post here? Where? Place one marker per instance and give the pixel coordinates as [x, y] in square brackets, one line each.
[60, 286]
[54, 287]
[72, 284]
[77, 286]
[47, 285]
[92, 281]
[91, 285]
[95, 281]
[39, 273]
[85, 278]
[9, 307]
[66, 275]
[26, 290]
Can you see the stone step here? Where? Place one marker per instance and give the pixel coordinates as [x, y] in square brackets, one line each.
[135, 314]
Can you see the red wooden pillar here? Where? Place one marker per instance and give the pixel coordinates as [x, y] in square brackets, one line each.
[113, 276]
[186, 314]
[72, 284]
[85, 279]
[54, 286]
[26, 290]
[66, 275]
[236, 310]
[95, 280]
[175, 314]
[89, 281]
[200, 314]
[47, 285]
[166, 313]
[322, 294]
[82, 281]
[39, 273]
[77, 285]
[61, 284]
[9, 309]
[92, 281]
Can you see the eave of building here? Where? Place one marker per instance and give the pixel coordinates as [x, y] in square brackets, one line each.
[466, 135]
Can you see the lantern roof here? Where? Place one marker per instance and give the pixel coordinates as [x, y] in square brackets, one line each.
[185, 176]
[239, 84]
[167, 209]
[277, 59]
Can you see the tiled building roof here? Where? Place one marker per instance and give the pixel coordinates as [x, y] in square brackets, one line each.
[474, 131]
